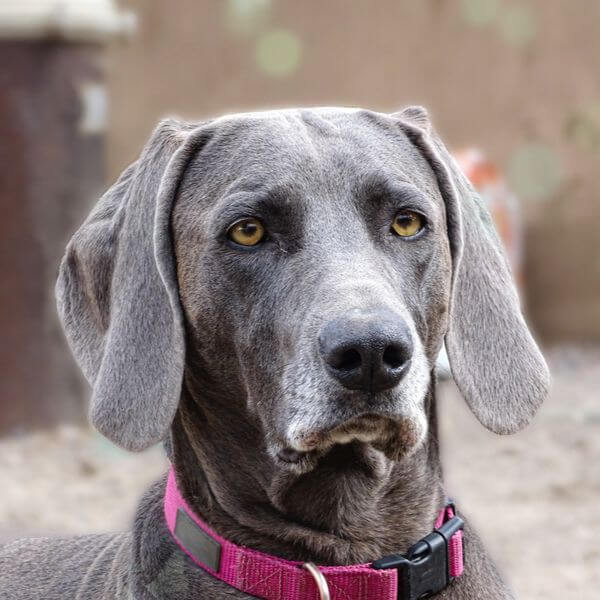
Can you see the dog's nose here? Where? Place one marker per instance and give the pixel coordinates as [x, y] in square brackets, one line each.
[367, 350]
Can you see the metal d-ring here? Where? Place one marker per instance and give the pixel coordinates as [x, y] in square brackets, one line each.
[319, 580]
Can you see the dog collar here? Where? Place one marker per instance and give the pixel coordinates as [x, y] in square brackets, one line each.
[427, 568]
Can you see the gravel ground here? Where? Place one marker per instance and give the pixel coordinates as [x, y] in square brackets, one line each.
[533, 496]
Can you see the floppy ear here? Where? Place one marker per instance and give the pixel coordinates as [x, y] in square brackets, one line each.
[118, 299]
[494, 359]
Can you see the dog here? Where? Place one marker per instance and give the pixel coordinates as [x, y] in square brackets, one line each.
[266, 294]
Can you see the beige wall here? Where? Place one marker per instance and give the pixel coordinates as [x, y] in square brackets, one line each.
[525, 73]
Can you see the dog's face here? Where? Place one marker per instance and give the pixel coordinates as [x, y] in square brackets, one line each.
[314, 273]
[306, 265]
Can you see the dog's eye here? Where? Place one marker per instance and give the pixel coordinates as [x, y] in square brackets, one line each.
[407, 223]
[247, 232]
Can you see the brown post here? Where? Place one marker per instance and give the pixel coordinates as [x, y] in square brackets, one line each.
[52, 114]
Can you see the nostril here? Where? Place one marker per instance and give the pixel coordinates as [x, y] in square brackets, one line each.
[366, 350]
[347, 360]
[393, 357]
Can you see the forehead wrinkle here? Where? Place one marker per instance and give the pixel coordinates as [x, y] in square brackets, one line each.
[248, 186]
[386, 187]
[264, 200]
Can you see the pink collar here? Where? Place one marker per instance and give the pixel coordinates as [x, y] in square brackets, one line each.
[427, 568]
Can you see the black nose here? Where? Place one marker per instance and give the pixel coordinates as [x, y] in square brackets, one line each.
[367, 350]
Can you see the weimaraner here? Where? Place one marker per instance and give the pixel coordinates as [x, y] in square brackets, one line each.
[267, 293]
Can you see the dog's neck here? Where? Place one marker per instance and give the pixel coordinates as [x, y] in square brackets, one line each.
[355, 506]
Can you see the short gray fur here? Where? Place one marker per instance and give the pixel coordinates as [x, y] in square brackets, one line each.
[187, 339]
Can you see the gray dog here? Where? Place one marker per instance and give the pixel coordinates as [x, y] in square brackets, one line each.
[267, 293]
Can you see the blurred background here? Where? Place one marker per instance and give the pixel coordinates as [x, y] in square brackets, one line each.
[513, 86]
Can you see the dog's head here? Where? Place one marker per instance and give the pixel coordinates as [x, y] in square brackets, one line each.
[307, 264]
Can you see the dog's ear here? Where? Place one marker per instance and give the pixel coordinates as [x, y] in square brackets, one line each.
[118, 298]
[494, 359]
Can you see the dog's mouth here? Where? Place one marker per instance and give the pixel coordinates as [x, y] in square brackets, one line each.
[394, 437]
[363, 428]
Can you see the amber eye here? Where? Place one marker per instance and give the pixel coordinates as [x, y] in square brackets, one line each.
[247, 232]
[407, 223]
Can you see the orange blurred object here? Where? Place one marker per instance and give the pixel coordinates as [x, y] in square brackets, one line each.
[502, 203]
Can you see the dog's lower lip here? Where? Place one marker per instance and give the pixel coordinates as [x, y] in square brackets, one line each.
[360, 427]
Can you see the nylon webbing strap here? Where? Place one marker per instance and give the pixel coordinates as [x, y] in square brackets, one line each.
[271, 578]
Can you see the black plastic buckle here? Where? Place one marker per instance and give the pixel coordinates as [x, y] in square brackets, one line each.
[425, 570]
